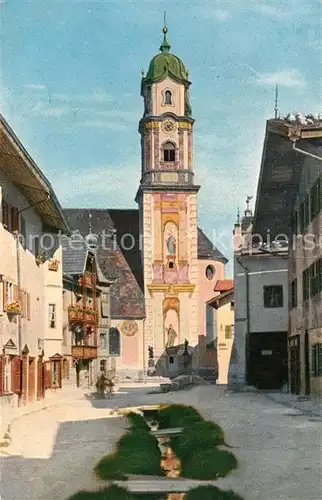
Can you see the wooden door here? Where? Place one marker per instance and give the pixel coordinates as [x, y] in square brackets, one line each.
[40, 379]
[31, 379]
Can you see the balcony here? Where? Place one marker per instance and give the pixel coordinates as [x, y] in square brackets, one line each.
[84, 352]
[82, 315]
[86, 281]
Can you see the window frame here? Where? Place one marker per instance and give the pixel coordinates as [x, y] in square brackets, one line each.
[52, 315]
[266, 290]
[115, 352]
[170, 149]
[166, 93]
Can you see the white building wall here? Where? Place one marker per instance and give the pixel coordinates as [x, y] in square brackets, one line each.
[264, 270]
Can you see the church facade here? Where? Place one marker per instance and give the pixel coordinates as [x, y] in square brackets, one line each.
[166, 266]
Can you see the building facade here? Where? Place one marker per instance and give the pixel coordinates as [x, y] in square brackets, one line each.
[30, 275]
[166, 266]
[305, 275]
[89, 342]
[224, 304]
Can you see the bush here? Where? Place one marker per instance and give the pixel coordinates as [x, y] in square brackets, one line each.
[137, 422]
[199, 435]
[115, 493]
[110, 467]
[208, 463]
[211, 493]
[177, 416]
[137, 452]
[111, 493]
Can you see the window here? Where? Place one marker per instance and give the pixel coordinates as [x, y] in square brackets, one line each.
[294, 293]
[5, 215]
[305, 285]
[228, 332]
[23, 232]
[273, 296]
[317, 360]
[315, 276]
[295, 222]
[169, 152]
[55, 372]
[114, 342]
[37, 246]
[304, 214]
[210, 272]
[52, 315]
[103, 365]
[7, 375]
[168, 97]
[171, 360]
[316, 199]
[14, 220]
[103, 340]
[171, 265]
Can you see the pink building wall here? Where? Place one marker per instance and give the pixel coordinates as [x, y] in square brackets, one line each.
[206, 288]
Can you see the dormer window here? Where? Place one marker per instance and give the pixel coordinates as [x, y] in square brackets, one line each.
[168, 97]
[169, 152]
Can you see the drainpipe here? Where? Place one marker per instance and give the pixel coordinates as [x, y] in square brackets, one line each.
[306, 153]
[247, 316]
[19, 268]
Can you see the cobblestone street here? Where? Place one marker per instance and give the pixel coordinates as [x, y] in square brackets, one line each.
[278, 448]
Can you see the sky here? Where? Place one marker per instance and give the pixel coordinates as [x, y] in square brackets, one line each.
[70, 89]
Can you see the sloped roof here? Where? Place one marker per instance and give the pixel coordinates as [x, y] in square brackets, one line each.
[224, 285]
[110, 226]
[74, 254]
[123, 261]
[207, 250]
[22, 171]
[280, 174]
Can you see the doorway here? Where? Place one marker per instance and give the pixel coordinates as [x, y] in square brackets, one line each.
[267, 360]
[307, 363]
[295, 365]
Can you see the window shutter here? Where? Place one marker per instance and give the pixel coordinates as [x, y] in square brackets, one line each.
[14, 219]
[47, 366]
[5, 215]
[15, 293]
[28, 306]
[1, 374]
[16, 375]
[5, 295]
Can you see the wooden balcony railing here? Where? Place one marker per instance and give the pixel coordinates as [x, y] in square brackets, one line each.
[86, 280]
[82, 315]
[84, 352]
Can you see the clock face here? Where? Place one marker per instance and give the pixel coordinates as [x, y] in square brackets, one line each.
[168, 126]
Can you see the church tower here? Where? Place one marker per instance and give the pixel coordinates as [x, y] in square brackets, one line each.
[167, 199]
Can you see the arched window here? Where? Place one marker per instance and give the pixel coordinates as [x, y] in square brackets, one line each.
[114, 342]
[168, 97]
[169, 152]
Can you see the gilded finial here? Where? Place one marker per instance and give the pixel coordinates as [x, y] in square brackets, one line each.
[165, 47]
[165, 29]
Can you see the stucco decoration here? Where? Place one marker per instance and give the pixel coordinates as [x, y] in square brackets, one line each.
[169, 126]
[129, 328]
